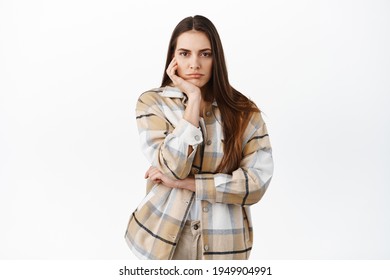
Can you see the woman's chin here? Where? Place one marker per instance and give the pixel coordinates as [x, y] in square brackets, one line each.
[197, 82]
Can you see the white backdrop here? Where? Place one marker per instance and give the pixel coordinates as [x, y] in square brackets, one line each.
[71, 170]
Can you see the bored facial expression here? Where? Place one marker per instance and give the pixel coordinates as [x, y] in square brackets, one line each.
[194, 57]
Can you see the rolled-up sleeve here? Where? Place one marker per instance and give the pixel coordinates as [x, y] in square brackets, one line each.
[165, 144]
[247, 184]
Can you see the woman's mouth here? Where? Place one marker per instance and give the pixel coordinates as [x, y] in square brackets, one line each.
[195, 76]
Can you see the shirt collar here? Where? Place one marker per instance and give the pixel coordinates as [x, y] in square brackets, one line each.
[174, 92]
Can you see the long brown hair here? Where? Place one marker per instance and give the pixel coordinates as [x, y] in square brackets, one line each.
[236, 109]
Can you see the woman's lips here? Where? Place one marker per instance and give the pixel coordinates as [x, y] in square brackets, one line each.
[195, 76]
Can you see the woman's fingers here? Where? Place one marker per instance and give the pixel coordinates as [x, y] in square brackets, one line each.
[157, 176]
[171, 72]
[185, 86]
[153, 174]
[149, 172]
[146, 176]
[170, 69]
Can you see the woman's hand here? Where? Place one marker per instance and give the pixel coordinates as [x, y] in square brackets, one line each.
[159, 178]
[193, 109]
[188, 88]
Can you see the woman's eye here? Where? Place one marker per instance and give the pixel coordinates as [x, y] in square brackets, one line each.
[183, 53]
[206, 54]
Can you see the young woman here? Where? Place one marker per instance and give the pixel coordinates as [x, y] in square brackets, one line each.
[209, 151]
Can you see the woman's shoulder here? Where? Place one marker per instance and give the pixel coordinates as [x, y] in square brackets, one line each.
[151, 94]
[155, 94]
[256, 120]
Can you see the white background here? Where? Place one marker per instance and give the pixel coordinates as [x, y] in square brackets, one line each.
[71, 171]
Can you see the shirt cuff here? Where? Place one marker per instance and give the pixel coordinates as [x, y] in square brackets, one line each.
[190, 134]
[205, 187]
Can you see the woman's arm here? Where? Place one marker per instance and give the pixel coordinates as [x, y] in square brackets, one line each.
[170, 149]
[159, 178]
[191, 114]
[247, 184]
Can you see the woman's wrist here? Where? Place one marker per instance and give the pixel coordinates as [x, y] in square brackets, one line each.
[187, 183]
[195, 95]
[191, 114]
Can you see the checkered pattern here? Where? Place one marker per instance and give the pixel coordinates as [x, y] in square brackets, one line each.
[223, 200]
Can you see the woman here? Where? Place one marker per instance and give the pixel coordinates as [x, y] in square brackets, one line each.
[209, 151]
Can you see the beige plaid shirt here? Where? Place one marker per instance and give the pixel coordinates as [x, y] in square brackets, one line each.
[224, 199]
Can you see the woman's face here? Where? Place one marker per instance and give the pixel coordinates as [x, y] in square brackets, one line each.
[194, 57]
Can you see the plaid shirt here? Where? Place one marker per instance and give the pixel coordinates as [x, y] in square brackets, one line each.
[155, 226]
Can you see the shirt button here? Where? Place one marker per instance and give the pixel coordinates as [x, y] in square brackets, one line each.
[205, 209]
[206, 247]
[197, 137]
[208, 142]
[208, 114]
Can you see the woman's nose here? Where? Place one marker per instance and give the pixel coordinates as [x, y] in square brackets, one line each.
[194, 64]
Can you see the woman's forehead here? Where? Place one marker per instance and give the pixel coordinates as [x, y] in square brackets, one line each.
[193, 40]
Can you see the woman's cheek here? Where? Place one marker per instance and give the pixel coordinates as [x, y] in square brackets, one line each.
[179, 70]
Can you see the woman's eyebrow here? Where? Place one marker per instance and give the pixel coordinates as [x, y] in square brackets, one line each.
[185, 50]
